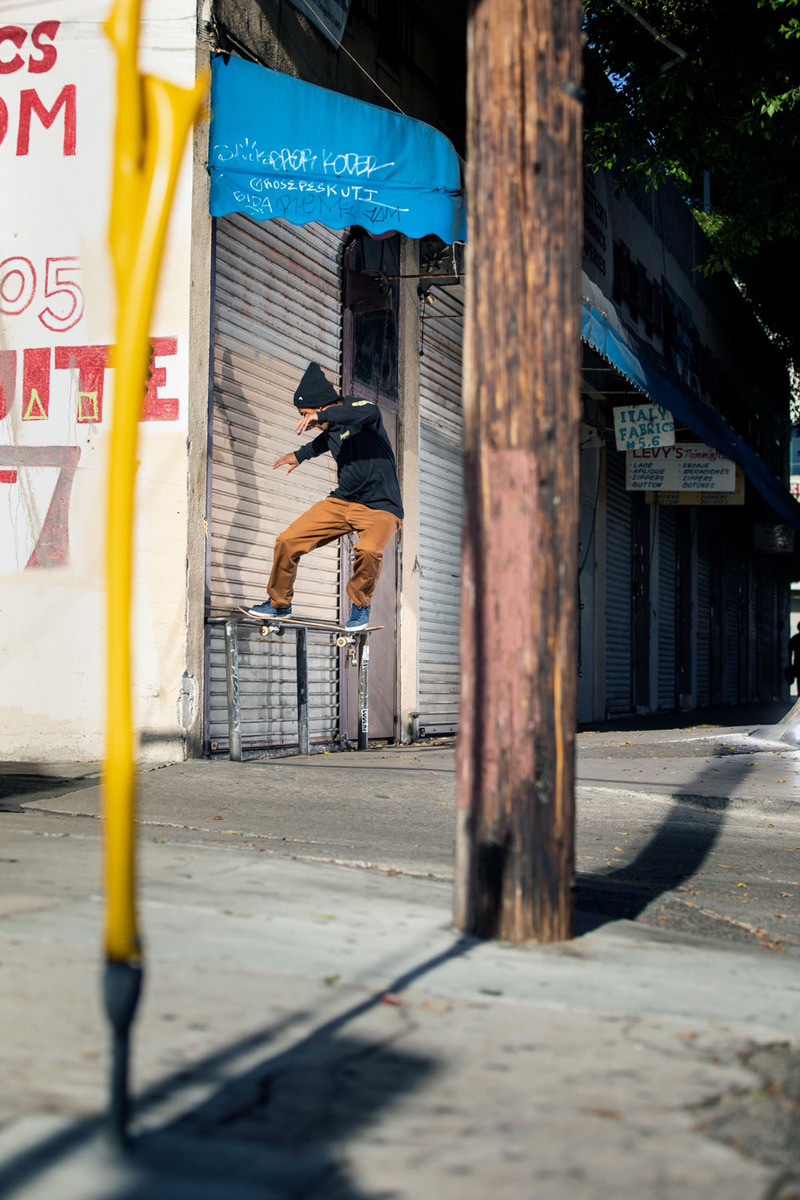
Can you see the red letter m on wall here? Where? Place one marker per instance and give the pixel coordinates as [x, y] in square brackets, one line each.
[29, 103]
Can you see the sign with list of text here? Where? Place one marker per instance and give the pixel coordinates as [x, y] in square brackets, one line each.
[685, 467]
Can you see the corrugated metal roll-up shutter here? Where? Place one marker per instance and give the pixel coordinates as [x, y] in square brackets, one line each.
[277, 306]
[667, 597]
[440, 510]
[619, 579]
[703, 627]
[730, 625]
[777, 650]
[768, 652]
[753, 635]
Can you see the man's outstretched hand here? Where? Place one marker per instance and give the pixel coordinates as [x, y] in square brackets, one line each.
[287, 460]
[307, 421]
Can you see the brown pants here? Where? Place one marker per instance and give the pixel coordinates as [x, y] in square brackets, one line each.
[323, 523]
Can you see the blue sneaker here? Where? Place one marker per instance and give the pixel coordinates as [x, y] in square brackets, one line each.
[359, 617]
[268, 609]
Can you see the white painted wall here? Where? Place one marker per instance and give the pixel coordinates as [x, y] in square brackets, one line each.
[57, 302]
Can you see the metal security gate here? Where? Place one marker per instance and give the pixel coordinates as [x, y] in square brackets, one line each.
[753, 637]
[619, 525]
[730, 632]
[703, 640]
[667, 597]
[771, 648]
[440, 510]
[277, 306]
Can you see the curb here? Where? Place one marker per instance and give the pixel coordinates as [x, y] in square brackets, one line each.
[780, 736]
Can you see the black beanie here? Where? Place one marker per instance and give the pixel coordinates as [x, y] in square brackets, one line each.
[314, 390]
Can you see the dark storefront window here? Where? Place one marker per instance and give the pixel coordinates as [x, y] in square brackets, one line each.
[371, 295]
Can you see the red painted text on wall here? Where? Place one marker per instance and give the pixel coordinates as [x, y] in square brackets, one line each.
[35, 53]
[91, 364]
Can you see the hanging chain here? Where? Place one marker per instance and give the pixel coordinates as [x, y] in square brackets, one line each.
[383, 345]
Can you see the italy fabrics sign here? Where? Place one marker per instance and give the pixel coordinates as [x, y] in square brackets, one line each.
[641, 425]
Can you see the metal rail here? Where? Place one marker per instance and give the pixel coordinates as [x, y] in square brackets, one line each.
[363, 691]
[360, 656]
[232, 690]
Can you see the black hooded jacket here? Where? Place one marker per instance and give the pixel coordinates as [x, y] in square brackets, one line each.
[364, 458]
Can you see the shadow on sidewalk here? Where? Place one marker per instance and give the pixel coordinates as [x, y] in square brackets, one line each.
[274, 1130]
[32, 781]
[677, 850]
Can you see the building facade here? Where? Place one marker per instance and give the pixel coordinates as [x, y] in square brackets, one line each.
[683, 598]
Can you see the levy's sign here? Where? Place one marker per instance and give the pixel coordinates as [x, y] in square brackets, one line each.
[686, 467]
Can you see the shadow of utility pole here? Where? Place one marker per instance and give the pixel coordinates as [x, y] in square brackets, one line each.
[677, 850]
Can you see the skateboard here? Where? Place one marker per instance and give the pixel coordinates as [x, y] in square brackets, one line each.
[276, 625]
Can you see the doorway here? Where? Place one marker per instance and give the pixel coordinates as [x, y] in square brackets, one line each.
[370, 371]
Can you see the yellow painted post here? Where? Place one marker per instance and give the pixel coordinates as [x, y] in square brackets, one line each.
[153, 121]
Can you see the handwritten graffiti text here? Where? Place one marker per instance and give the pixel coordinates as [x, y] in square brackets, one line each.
[302, 161]
[316, 207]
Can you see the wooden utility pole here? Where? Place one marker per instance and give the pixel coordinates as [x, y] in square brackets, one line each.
[514, 849]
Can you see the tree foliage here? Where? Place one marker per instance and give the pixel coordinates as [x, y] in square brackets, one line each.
[707, 94]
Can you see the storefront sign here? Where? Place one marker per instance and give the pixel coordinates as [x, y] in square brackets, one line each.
[591, 438]
[329, 16]
[686, 467]
[596, 234]
[700, 499]
[641, 425]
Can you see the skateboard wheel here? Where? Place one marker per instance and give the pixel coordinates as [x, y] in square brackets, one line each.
[264, 630]
[341, 640]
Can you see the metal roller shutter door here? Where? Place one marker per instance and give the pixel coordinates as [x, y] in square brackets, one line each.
[440, 512]
[777, 650]
[619, 624]
[730, 619]
[703, 627]
[667, 614]
[277, 305]
[770, 648]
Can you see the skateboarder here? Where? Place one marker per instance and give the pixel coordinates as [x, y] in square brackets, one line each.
[366, 500]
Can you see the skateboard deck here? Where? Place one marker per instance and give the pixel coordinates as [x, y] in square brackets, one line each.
[276, 624]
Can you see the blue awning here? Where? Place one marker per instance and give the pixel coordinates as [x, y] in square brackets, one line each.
[644, 367]
[283, 148]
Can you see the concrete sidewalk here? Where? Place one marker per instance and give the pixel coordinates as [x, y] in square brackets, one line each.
[314, 1030]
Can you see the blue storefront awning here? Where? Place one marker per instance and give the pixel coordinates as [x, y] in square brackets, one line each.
[283, 148]
[644, 367]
